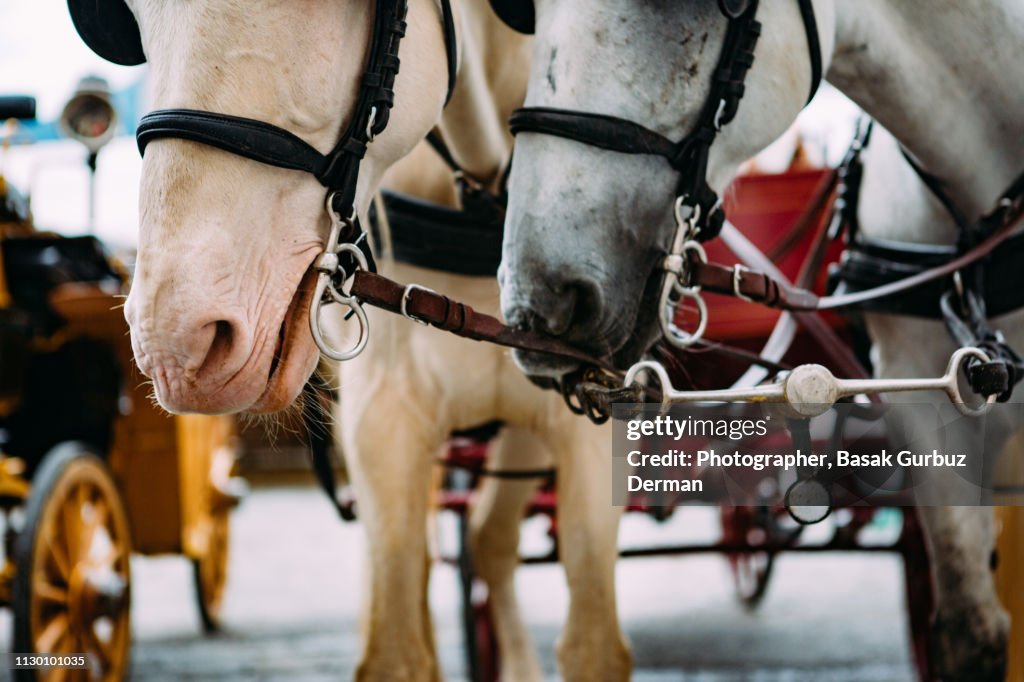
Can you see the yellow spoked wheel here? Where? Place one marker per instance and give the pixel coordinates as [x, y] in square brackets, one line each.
[72, 583]
[211, 572]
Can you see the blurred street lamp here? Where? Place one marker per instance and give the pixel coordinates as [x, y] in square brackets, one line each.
[90, 118]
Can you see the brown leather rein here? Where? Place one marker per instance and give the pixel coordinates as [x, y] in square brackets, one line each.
[429, 307]
[437, 310]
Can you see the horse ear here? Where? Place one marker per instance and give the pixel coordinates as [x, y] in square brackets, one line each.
[517, 14]
[109, 28]
[734, 8]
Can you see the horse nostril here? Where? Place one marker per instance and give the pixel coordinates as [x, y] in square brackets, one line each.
[220, 348]
[562, 314]
[569, 309]
[521, 318]
[578, 310]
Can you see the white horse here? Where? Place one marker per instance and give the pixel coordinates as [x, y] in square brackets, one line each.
[972, 626]
[586, 227]
[413, 386]
[218, 308]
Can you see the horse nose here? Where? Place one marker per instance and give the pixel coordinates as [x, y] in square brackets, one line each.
[216, 351]
[196, 346]
[570, 309]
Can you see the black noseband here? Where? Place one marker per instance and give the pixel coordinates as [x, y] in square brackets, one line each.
[338, 169]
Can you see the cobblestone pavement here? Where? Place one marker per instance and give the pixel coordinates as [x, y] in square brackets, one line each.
[296, 574]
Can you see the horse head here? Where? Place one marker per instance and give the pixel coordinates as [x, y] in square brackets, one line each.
[219, 305]
[590, 215]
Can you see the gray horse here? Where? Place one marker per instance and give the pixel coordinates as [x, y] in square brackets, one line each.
[587, 227]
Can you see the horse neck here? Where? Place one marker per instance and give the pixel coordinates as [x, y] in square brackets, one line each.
[942, 75]
[493, 73]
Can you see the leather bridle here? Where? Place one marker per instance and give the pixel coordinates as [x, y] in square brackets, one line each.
[698, 211]
[688, 156]
[337, 170]
[347, 258]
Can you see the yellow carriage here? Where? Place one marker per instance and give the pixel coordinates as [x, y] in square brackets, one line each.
[90, 469]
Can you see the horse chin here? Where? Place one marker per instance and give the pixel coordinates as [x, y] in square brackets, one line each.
[295, 357]
[542, 366]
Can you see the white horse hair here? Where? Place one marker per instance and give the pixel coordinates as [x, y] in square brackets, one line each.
[436, 383]
[972, 630]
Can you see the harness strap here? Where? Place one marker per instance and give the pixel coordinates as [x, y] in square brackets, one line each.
[938, 190]
[451, 46]
[320, 447]
[437, 143]
[757, 286]
[458, 318]
[464, 241]
[252, 139]
[768, 291]
[597, 130]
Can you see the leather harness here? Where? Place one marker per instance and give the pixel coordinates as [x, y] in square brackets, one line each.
[338, 170]
[462, 241]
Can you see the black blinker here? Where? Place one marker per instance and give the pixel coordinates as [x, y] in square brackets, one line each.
[518, 15]
[109, 28]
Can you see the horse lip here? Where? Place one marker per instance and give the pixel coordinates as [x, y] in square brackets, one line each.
[279, 348]
[293, 324]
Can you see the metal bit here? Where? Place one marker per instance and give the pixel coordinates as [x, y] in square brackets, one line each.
[811, 390]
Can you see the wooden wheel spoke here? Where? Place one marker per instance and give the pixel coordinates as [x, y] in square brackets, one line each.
[71, 516]
[47, 591]
[58, 554]
[97, 519]
[95, 645]
[54, 634]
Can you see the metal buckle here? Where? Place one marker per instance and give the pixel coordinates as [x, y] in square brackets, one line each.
[737, 273]
[674, 287]
[372, 121]
[328, 270]
[405, 302]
